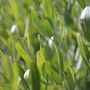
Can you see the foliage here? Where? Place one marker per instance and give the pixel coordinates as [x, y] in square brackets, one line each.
[42, 46]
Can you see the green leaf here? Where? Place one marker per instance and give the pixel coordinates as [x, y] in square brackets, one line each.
[70, 78]
[9, 70]
[23, 53]
[59, 5]
[49, 11]
[82, 3]
[35, 77]
[48, 53]
[21, 73]
[43, 26]
[59, 57]
[40, 60]
[14, 9]
[37, 2]
[87, 52]
[83, 50]
[6, 65]
[56, 77]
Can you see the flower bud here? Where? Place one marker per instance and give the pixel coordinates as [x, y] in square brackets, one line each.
[50, 41]
[85, 22]
[14, 29]
[26, 74]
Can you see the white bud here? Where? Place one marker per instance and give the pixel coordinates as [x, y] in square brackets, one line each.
[52, 38]
[41, 7]
[85, 13]
[14, 29]
[50, 41]
[85, 22]
[26, 74]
